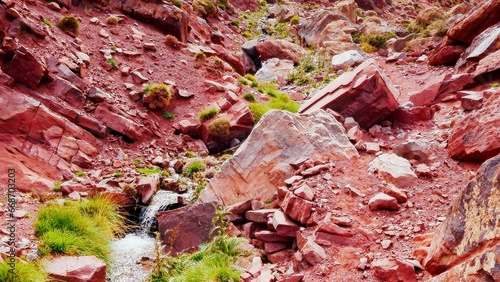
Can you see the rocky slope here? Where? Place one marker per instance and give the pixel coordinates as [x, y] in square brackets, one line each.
[352, 187]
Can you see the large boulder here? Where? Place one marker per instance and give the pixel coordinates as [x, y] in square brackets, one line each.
[281, 49]
[465, 246]
[366, 94]
[184, 229]
[262, 162]
[165, 16]
[25, 68]
[477, 136]
[77, 269]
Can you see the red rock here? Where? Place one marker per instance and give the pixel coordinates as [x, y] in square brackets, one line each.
[25, 68]
[296, 208]
[232, 59]
[118, 123]
[472, 101]
[305, 192]
[147, 187]
[69, 186]
[279, 257]
[365, 94]
[273, 247]
[250, 228]
[382, 201]
[393, 270]
[477, 135]
[77, 269]
[283, 225]
[488, 64]
[446, 54]
[244, 5]
[402, 116]
[67, 92]
[328, 239]
[334, 229]
[184, 229]
[272, 237]
[466, 253]
[240, 208]
[312, 28]
[313, 253]
[259, 216]
[279, 48]
[397, 193]
[439, 87]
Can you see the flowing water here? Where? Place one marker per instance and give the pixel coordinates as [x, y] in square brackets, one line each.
[128, 251]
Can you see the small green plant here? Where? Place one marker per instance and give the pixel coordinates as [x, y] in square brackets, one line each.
[378, 41]
[204, 8]
[79, 173]
[495, 85]
[137, 161]
[235, 23]
[295, 20]
[69, 24]
[243, 81]
[177, 3]
[247, 35]
[25, 272]
[219, 128]
[167, 115]
[207, 114]
[200, 56]
[250, 77]
[159, 95]
[112, 63]
[47, 23]
[190, 154]
[193, 166]
[113, 48]
[249, 97]
[146, 171]
[117, 174]
[57, 186]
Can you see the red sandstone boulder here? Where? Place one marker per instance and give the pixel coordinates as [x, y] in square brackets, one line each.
[441, 87]
[77, 269]
[477, 136]
[281, 49]
[25, 68]
[184, 229]
[393, 270]
[263, 161]
[244, 5]
[465, 246]
[366, 94]
[119, 123]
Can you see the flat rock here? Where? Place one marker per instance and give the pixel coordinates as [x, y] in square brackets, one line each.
[366, 94]
[393, 270]
[382, 201]
[393, 168]
[346, 59]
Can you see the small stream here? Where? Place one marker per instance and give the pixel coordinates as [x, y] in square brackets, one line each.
[128, 251]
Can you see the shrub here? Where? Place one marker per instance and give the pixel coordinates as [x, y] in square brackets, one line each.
[57, 186]
[79, 228]
[204, 7]
[200, 56]
[243, 81]
[172, 42]
[69, 23]
[428, 15]
[250, 77]
[379, 41]
[249, 97]
[177, 3]
[295, 20]
[159, 95]
[207, 114]
[112, 20]
[193, 166]
[25, 272]
[437, 28]
[368, 48]
[219, 128]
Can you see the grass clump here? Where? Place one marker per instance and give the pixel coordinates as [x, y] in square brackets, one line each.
[146, 171]
[207, 114]
[219, 128]
[295, 20]
[167, 115]
[80, 173]
[243, 81]
[250, 98]
[177, 3]
[79, 228]
[495, 85]
[374, 42]
[200, 56]
[113, 20]
[159, 95]
[69, 24]
[57, 186]
[204, 8]
[25, 272]
[193, 166]
[112, 63]
[278, 101]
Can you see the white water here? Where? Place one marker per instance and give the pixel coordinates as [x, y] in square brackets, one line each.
[127, 252]
[160, 200]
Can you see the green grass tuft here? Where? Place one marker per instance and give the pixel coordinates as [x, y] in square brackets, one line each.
[25, 272]
[193, 166]
[159, 94]
[249, 97]
[146, 171]
[69, 23]
[207, 114]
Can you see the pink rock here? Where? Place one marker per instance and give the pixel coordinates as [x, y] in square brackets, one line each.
[439, 87]
[25, 68]
[313, 253]
[334, 229]
[305, 192]
[273, 247]
[366, 94]
[296, 207]
[393, 270]
[281, 49]
[239, 208]
[259, 216]
[280, 256]
[147, 187]
[77, 269]
[411, 115]
[118, 123]
[382, 201]
[272, 237]
[283, 225]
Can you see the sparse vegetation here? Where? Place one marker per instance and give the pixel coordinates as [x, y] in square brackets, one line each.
[235, 23]
[278, 101]
[113, 20]
[243, 81]
[159, 95]
[219, 128]
[172, 42]
[495, 85]
[57, 186]
[69, 24]
[207, 114]
[79, 228]
[177, 3]
[204, 8]
[373, 42]
[137, 161]
[146, 171]
[200, 56]
[295, 20]
[79, 173]
[167, 115]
